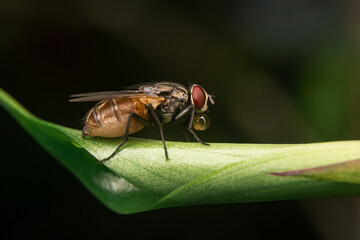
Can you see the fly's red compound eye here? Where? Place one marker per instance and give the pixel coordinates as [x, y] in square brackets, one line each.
[198, 96]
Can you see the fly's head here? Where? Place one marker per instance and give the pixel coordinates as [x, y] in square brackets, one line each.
[199, 98]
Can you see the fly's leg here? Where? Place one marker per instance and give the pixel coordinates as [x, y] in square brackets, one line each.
[185, 127]
[189, 128]
[184, 112]
[158, 123]
[188, 124]
[126, 136]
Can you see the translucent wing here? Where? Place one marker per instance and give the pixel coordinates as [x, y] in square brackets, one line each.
[98, 96]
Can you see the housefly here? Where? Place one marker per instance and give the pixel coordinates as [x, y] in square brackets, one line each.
[120, 113]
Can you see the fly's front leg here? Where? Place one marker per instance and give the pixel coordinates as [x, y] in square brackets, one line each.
[185, 125]
[189, 128]
[126, 136]
[158, 123]
[183, 112]
[185, 128]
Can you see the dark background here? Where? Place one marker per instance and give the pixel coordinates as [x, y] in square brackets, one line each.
[281, 72]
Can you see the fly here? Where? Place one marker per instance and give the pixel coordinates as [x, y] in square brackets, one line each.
[120, 113]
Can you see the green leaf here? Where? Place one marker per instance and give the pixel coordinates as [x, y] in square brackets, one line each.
[139, 178]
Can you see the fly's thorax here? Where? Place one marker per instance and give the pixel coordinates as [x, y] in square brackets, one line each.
[164, 89]
[170, 107]
[174, 98]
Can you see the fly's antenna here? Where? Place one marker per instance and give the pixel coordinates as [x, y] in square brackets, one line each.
[211, 98]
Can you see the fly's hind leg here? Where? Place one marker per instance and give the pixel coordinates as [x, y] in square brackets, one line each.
[126, 136]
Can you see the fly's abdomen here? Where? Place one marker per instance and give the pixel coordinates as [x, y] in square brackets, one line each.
[110, 117]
